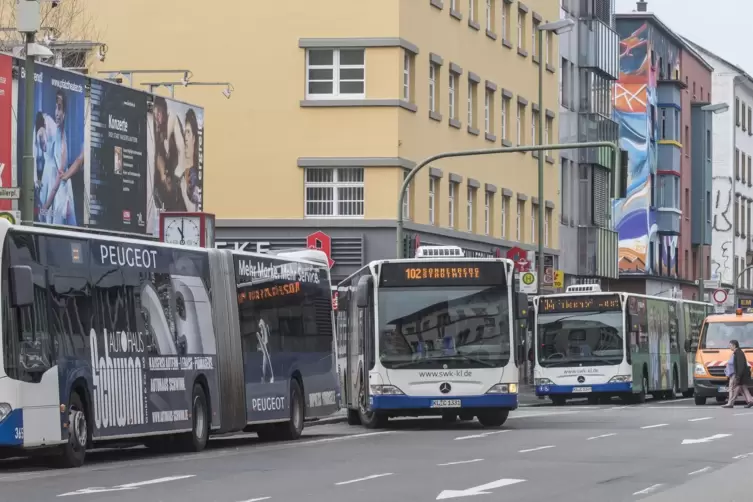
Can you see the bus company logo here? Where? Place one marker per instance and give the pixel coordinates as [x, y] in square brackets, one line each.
[119, 391]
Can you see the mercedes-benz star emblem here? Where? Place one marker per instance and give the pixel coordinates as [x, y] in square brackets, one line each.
[445, 388]
[581, 379]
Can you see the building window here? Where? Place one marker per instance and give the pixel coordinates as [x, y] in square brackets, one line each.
[743, 108]
[454, 5]
[505, 20]
[407, 63]
[750, 121]
[451, 87]
[335, 73]
[737, 111]
[549, 47]
[503, 216]
[547, 129]
[518, 222]
[406, 199]
[503, 117]
[534, 214]
[519, 119]
[490, 15]
[432, 188]
[451, 200]
[487, 212]
[686, 144]
[487, 112]
[663, 120]
[677, 124]
[471, 197]
[472, 16]
[737, 163]
[334, 192]
[471, 103]
[547, 226]
[521, 29]
[565, 191]
[432, 87]
[534, 34]
[534, 126]
[750, 173]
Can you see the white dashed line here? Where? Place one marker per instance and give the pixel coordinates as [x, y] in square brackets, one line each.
[128, 486]
[373, 476]
[542, 414]
[744, 455]
[462, 462]
[536, 449]
[699, 471]
[616, 408]
[653, 426]
[699, 419]
[675, 400]
[743, 414]
[602, 436]
[648, 490]
[257, 499]
[482, 435]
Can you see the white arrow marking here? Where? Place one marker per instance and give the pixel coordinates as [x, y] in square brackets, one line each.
[648, 490]
[477, 490]
[129, 486]
[705, 440]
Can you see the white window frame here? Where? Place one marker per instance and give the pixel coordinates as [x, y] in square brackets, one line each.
[489, 10]
[534, 29]
[336, 67]
[451, 200]
[472, 10]
[546, 134]
[534, 139]
[504, 20]
[547, 41]
[470, 103]
[547, 215]
[335, 184]
[534, 212]
[518, 221]
[451, 89]
[520, 124]
[469, 221]
[503, 216]
[432, 87]
[521, 26]
[432, 200]
[407, 56]
[487, 111]
[406, 200]
[454, 5]
[503, 117]
[487, 215]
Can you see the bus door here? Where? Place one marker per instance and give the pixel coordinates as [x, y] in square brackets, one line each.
[365, 338]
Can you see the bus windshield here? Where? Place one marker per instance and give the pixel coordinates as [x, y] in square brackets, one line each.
[444, 327]
[717, 335]
[574, 339]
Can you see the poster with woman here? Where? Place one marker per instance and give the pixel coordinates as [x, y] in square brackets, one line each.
[175, 159]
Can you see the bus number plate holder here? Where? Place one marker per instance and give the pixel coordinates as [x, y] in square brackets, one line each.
[446, 403]
[581, 389]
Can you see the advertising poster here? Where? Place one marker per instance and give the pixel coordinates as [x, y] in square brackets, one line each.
[59, 118]
[175, 159]
[118, 158]
[6, 117]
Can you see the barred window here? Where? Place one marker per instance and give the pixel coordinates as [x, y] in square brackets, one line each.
[334, 192]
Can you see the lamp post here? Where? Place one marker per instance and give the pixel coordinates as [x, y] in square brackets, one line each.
[715, 109]
[227, 92]
[558, 27]
[111, 74]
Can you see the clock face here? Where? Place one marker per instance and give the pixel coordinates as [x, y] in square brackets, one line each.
[185, 231]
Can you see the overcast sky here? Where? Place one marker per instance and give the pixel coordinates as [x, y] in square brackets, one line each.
[722, 26]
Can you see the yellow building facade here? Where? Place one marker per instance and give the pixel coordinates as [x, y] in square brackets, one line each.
[335, 99]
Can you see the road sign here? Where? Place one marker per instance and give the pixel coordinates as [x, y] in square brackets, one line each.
[519, 257]
[10, 193]
[548, 279]
[559, 279]
[12, 216]
[528, 283]
[719, 296]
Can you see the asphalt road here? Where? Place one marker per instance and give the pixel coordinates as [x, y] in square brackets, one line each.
[659, 451]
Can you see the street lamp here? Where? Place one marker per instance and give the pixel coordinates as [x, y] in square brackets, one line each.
[227, 91]
[111, 74]
[558, 27]
[715, 109]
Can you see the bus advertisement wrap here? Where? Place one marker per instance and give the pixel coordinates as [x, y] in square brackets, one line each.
[59, 123]
[6, 121]
[118, 158]
[175, 159]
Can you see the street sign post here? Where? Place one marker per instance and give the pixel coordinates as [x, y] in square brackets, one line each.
[528, 283]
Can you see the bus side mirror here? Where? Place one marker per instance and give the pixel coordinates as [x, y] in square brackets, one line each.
[21, 286]
[363, 292]
[521, 306]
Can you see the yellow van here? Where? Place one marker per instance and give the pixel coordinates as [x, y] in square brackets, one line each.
[712, 353]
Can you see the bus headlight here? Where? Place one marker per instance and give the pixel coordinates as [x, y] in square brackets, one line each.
[700, 370]
[542, 381]
[5, 410]
[503, 388]
[385, 390]
[621, 379]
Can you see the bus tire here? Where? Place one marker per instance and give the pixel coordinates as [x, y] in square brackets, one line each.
[700, 401]
[672, 394]
[449, 418]
[493, 418]
[353, 418]
[293, 428]
[73, 453]
[640, 398]
[688, 393]
[196, 440]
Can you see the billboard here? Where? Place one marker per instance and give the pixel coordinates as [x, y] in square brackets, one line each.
[59, 133]
[175, 159]
[118, 173]
[6, 127]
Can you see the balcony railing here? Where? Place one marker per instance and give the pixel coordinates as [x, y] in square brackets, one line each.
[599, 48]
[597, 252]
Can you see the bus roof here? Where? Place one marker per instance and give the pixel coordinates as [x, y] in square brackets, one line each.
[625, 293]
[714, 318]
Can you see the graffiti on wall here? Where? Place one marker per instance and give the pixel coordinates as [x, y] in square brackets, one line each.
[721, 229]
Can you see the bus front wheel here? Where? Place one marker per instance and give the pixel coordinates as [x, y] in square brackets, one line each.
[74, 452]
[493, 418]
[289, 431]
[370, 419]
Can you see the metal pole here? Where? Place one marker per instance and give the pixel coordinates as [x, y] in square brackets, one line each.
[702, 276]
[473, 153]
[27, 173]
[734, 193]
[540, 255]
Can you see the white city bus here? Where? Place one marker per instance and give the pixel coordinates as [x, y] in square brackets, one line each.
[595, 344]
[105, 339]
[436, 334]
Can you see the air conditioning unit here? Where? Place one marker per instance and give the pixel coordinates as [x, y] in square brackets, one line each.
[583, 288]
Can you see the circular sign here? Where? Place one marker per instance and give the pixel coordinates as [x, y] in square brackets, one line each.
[9, 217]
[528, 278]
[720, 295]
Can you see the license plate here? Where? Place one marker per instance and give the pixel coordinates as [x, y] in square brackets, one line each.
[723, 389]
[445, 403]
[581, 389]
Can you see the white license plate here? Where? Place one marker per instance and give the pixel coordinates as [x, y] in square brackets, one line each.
[445, 403]
[723, 389]
[581, 389]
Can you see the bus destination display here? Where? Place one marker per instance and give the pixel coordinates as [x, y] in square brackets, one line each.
[444, 273]
[579, 304]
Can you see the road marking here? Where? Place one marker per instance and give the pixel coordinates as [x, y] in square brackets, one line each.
[699, 419]
[257, 500]
[477, 490]
[543, 414]
[744, 455]
[128, 486]
[648, 490]
[462, 462]
[373, 476]
[653, 426]
[699, 471]
[602, 436]
[706, 439]
[675, 400]
[743, 414]
[482, 435]
[616, 408]
[537, 449]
